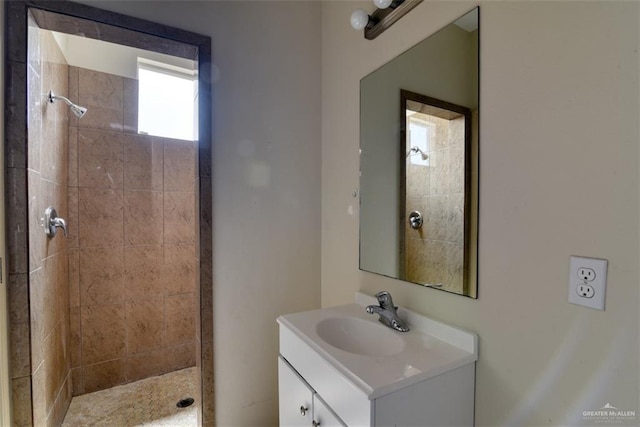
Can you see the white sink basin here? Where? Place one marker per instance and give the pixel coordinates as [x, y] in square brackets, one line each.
[359, 336]
[376, 359]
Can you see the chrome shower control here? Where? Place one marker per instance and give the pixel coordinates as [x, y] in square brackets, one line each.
[415, 220]
[51, 222]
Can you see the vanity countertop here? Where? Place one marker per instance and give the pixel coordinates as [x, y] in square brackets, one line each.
[429, 349]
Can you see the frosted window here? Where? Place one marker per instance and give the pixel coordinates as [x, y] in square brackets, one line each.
[167, 104]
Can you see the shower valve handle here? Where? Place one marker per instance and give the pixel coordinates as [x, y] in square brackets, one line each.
[52, 222]
[415, 220]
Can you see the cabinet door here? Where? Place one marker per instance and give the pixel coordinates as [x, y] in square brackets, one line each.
[323, 416]
[295, 395]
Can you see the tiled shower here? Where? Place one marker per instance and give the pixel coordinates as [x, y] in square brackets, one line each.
[132, 255]
[442, 202]
[117, 299]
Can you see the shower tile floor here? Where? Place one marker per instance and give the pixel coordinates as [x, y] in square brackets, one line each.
[148, 402]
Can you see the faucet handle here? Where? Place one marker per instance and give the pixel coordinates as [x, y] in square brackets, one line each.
[385, 300]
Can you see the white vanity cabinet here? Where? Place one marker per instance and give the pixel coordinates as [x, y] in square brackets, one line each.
[323, 415]
[299, 404]
[295, 395]
[426, 379]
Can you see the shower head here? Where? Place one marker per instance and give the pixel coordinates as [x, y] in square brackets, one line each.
[77, 110]
[415, 150]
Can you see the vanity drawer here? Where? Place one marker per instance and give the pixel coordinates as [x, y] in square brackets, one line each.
[347, 401]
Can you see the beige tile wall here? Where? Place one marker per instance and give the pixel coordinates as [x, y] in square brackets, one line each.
[132, 258]
[48, 324]
[437, 191]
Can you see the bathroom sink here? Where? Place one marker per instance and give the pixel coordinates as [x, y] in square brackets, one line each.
[358, 336]
[376, 359]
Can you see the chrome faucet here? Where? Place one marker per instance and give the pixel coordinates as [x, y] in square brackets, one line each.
[387, 312]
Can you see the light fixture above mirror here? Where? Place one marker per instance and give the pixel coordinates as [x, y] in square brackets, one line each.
[388, 12]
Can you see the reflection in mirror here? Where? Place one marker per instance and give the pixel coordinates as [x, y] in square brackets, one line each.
[433, 175]
[418, 185]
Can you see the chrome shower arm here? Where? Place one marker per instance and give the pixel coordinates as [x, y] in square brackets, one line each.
[53, 97]
[75, 109]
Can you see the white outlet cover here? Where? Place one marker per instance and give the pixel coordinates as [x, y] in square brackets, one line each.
[599, 284]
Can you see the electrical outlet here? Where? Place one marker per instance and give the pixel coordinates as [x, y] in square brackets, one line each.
[587, 282]
[585, 291]
[586, 274]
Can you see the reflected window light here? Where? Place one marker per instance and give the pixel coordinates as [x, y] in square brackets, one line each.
[420, 137]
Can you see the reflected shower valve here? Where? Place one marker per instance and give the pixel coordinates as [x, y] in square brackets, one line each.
[415, 220]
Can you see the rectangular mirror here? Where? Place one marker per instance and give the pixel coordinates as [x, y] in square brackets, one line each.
[419, 162]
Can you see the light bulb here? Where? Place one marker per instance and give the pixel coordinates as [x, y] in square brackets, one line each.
[382, 4]
[359, 19]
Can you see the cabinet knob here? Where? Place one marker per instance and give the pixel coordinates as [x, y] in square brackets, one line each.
[315, 423]
[303, 410]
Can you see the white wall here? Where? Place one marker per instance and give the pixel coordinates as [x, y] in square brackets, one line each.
[559, 162]
[266, 181]
[111, 58]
